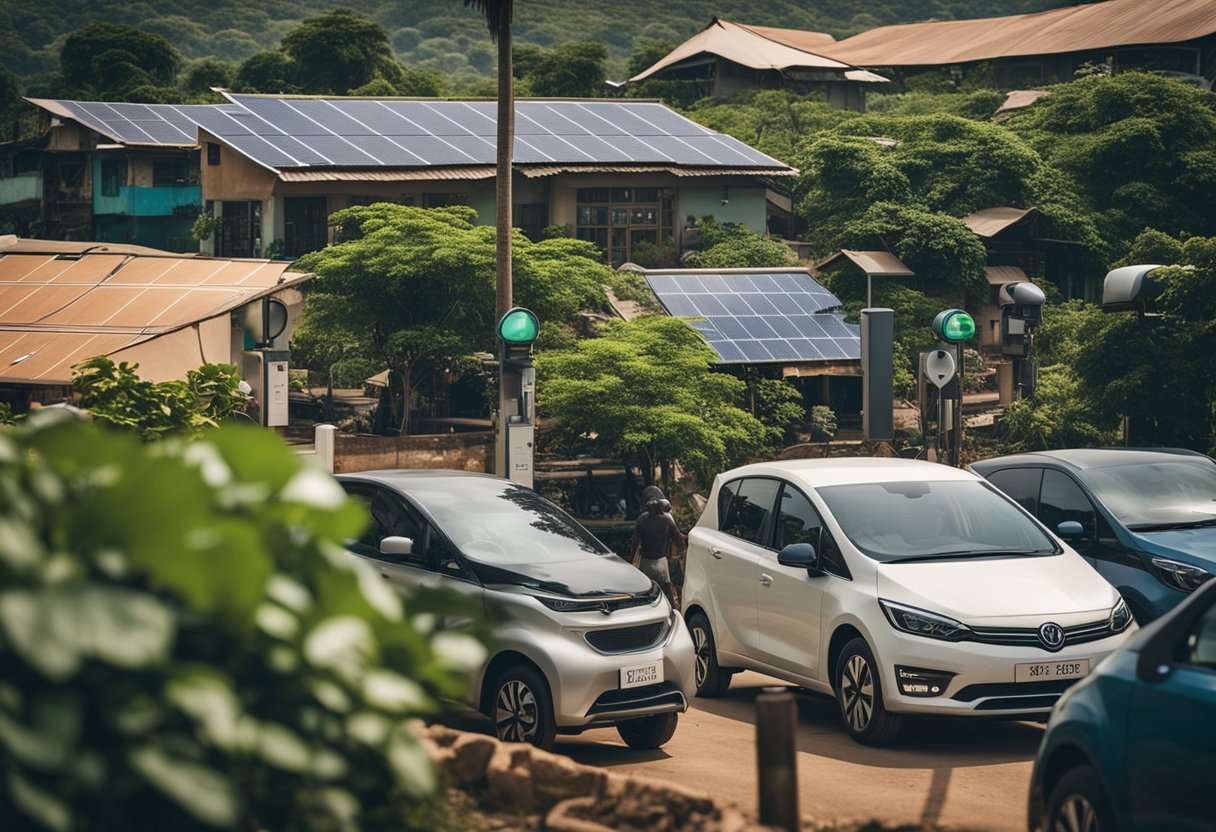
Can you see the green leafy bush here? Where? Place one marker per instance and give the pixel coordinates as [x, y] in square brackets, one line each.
[186, 645]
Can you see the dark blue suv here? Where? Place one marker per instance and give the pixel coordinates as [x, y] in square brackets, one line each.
[1148, 517]
[1133, 745]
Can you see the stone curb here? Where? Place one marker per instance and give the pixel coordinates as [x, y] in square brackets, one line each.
[572, 797]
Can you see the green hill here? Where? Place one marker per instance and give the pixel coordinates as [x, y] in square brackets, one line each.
[445, 36]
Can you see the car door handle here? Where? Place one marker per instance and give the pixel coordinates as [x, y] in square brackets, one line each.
[716, 552]
[766, 579]
[384, 575]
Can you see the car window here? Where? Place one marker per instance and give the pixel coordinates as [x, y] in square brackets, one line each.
[899, 520]
[1062, 499]
[748, 516]
[725, 494]
[1020, 484]
[799, 522]
[1146, 494]
[1201, 645]
[390, 517]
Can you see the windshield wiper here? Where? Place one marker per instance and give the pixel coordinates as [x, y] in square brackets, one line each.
[975, 553]
[1169, 527]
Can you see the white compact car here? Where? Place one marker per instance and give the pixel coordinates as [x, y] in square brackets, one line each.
[583, 639]
[899, 586]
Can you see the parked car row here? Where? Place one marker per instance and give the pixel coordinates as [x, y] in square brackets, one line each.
[899, 587]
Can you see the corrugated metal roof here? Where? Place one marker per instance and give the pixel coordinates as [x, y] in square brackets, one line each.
[873, 263]
[1059, 31]
[999, 275]
[1017, 99]
[989, 222]
[58, 309]
[756, 47]
[394, 175]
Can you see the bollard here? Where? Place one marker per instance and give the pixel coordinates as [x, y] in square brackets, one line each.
[776, 762]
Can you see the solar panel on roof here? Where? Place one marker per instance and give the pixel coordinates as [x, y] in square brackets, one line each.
[760, 317]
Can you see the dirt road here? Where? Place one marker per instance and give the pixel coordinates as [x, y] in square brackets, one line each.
[962, 773]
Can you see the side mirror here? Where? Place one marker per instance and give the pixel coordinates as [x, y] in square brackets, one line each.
[396, 546]
[1070, 530]
[800, 555]
[1162, 638]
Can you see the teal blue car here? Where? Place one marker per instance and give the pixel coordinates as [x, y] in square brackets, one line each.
[1147, 516]
[1133, 746]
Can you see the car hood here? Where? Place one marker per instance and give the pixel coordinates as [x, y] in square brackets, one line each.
[989, 589]
[1195, 546]
[588, 576]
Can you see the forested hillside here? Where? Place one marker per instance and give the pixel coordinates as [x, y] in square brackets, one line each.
[443, 35]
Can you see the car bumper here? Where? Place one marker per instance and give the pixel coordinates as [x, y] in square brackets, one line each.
[588, 690]
[984, 681]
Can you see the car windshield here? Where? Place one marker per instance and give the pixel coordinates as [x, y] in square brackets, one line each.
[933, 520]
[499, 522]
[1147, 495]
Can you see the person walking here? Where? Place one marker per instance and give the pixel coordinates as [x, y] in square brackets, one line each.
[654, 533]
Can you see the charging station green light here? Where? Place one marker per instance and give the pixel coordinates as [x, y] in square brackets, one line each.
[954, 325]
[518, 326]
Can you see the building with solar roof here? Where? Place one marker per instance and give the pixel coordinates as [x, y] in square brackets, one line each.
[271, 169]
[770, 322]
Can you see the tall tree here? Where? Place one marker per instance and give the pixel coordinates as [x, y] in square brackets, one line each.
[339, 51]
[109, 59]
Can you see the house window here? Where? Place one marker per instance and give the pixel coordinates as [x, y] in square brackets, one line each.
[168, 172]
[213, 154]
[240, 230]
[532, 219]
[305, 225]
[619, 219]
[113, 176]
[442, 200]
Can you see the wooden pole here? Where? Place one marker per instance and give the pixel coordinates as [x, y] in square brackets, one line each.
[776, 760]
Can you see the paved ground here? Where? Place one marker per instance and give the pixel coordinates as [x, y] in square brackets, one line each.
[961, 773]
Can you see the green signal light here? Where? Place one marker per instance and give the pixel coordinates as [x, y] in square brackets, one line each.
[954, 325]
[518, 326]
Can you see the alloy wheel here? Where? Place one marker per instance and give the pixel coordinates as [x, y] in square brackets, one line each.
[857, 693]
[700, 641]
[515, 712]
[1076, 814]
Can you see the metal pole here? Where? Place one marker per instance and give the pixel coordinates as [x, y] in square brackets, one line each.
[776, 761]
[958, 428]
[502, 212]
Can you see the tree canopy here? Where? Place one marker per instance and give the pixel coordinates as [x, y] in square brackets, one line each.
[415, 286]
[645, 389]
[115, 61]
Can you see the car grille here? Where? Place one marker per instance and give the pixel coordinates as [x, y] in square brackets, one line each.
[970, 693]
[1029, 636]
[627, 639]
[649, 696]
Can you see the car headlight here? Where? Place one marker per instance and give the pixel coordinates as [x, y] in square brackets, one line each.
[1181, 576]
[922, 623]
[1120, 617]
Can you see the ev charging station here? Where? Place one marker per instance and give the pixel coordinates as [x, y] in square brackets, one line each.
[517, 329]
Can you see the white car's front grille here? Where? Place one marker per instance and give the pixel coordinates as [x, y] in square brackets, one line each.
[627, 639]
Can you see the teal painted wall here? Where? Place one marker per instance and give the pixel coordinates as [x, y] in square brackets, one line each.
[147, 202]
[26, 187]
[745, 206]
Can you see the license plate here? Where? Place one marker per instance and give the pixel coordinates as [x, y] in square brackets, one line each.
[641, 674]
[1048, 671]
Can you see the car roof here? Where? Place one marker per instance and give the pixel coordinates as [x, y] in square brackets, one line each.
[1083, 458]
[851, 470]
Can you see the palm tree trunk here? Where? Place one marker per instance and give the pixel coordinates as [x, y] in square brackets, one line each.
[506, 142]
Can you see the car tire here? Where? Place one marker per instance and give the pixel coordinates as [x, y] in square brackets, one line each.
[1078, 803]
[648, 732]
[522, 709]
[859, 694]
[711, 679]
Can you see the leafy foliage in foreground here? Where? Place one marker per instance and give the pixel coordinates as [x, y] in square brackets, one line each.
[186, 645]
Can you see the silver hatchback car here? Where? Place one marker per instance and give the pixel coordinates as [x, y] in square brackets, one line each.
[583, 639]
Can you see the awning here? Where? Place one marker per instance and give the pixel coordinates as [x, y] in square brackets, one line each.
[989, 222]
[873, 263]
[999, 275]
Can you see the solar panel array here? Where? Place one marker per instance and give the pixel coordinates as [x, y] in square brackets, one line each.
[340, 132]
[757, 318]
[155, 124]
[366, 133]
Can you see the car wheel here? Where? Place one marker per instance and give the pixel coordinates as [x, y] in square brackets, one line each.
[859, 692]
[523, 708]
[648, 732]
[711, 679]
[1078, 804]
